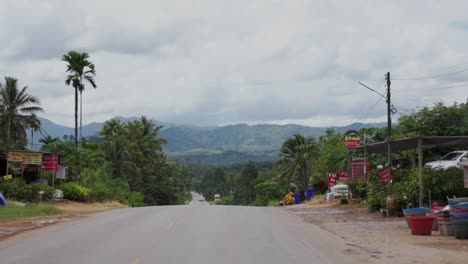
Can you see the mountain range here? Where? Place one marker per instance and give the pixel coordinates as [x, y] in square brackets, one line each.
[215, 145]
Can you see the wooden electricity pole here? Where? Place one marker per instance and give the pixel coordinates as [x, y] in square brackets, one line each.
[389, 127]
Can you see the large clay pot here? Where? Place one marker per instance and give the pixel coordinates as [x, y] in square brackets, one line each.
[391, 205]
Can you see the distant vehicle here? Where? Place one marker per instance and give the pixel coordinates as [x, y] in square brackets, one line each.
[217, 197]
[450, 160]
[201, 200]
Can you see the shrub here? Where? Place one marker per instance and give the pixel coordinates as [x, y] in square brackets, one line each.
[267, 191]
[18, 189]
[104, 188]
[135, 199]
[320, 186]
[74, 191]
[226, 200]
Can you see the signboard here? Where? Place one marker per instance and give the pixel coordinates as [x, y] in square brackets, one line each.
[25, 157]
[332, 180]
[357, 168]
[51, 164]
[344, 175]
[8, 177]
[352, 139]
[385, 175]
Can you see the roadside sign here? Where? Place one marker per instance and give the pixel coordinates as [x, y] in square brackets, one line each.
[332, 180]
[25, 157]
[357, 168]
[352, 139]
[51, 163]
[385, 175]
[344, 175]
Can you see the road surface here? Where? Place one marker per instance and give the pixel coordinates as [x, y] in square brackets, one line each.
[196, 233]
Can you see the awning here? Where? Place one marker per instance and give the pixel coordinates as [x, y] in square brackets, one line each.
[412, 143]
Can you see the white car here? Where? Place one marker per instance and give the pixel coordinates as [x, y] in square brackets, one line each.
[450, 160]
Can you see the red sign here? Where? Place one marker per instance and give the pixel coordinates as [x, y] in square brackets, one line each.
[51, 164]
[385, 175]
[357, 168]
[332, 180]
[344, 175]
[352, 139]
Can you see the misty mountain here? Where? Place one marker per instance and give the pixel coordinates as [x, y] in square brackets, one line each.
[215, 145]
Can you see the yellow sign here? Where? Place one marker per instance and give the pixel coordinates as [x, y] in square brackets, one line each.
[25, 157]
[7, 177]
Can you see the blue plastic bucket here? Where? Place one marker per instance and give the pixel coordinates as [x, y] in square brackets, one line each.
[310, 194]
[297, 198]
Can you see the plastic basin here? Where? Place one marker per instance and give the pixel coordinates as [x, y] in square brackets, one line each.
[421, 225]
[459, 215]
[460, 229]
[420, 211]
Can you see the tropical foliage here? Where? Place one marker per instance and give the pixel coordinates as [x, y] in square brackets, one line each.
[18, 111]
[80, 70]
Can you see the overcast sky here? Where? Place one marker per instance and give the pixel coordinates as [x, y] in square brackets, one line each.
[224, 62]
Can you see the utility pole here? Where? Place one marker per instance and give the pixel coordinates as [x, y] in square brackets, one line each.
[389, 127]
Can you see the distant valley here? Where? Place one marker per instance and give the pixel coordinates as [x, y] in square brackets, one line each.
[214, 145]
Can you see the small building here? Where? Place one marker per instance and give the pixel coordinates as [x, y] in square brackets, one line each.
[28, 165]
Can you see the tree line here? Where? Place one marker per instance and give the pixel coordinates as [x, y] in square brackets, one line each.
[304, 162]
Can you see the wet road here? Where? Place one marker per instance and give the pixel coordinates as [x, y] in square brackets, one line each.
[195, 233]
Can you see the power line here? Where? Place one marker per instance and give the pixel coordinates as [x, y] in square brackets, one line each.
[430, 76]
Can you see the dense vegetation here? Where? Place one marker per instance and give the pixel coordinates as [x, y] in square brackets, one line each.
[304, 162]
[125, 163]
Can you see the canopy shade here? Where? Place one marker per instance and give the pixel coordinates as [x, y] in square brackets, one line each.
[412, 143]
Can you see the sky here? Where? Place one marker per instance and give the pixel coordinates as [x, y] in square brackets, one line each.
[214, 62]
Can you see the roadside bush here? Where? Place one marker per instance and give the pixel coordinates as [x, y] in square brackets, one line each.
[135, 199]
[104, 188]
[267, 191]
[320, 186]
[226, 200]
[376, 193]
[357, 187]
[18, 189]
[74, 191]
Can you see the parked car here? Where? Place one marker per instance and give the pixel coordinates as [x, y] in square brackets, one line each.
[450, 160]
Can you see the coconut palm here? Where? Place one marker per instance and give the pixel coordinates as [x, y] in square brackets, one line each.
[79, 70]
[48, 140]
[17, 113]
[296, 157]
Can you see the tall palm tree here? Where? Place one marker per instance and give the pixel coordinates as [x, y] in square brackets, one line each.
[17, 113]
[47, 140]
[296, 157]
[79, 70]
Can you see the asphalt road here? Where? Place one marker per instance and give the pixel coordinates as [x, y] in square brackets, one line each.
[195, 233]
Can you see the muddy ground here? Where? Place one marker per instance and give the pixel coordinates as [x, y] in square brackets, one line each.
[385, 239]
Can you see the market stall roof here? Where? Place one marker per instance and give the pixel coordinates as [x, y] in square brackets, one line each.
[412, 143]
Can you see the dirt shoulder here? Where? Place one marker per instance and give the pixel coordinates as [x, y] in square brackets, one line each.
[383, 239]
[69, 211]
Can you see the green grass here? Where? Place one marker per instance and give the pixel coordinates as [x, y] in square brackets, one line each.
[12, 212]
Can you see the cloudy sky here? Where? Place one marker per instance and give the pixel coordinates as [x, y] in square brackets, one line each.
[222, 62]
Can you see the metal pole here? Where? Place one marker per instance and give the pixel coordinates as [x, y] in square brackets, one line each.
[420, 165]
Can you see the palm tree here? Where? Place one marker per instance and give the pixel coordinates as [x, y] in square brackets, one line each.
[79, 69]
[47, 140]
[17, 113]
[296, 156]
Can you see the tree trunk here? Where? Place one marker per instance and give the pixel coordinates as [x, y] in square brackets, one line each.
[81, 115]
[76, 117]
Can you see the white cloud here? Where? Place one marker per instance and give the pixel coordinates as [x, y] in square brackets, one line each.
[218, 62]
